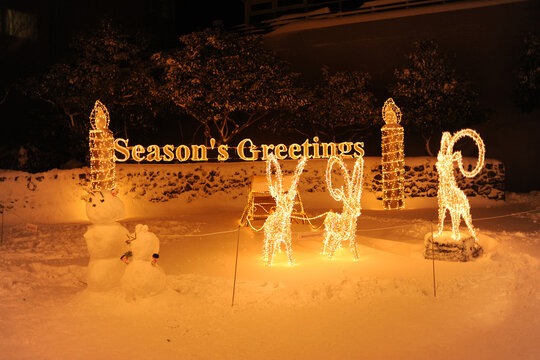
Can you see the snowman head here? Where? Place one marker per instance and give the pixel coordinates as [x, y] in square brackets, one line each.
[146, 243]
[104, 207]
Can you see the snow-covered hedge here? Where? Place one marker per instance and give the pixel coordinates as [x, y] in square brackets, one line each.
[159, 184]
[168, 188]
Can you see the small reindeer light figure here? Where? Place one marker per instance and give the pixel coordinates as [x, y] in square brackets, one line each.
[277, 228]
[451, 198]
[342, 227]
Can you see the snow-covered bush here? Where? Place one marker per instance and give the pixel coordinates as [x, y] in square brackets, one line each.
[227, 82]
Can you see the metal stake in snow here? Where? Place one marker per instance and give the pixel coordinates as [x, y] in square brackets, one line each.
[235, 266]
[433, 259]
[2, 211]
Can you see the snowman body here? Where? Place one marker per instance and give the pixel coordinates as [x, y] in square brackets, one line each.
[105, 240]
[143, 277]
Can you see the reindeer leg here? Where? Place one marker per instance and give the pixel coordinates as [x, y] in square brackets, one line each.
[268, 253]
[456, 219]
[328, 230]
[265, 250]
[442, 215]
[272, 252]
[468, 220]
[288, 245]
[286, 240]
[354, 248]
[325, 242]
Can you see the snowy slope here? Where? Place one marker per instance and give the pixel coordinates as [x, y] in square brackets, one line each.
[382, 306]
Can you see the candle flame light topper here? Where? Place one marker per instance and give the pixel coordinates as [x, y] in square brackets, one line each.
[393, 158]
[450, 197]
[101, 142]
[342, 227]
[277, 227]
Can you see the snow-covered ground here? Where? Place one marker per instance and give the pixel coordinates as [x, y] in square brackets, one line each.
[381, 307]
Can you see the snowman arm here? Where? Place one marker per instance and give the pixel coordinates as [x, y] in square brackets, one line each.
[130, 238]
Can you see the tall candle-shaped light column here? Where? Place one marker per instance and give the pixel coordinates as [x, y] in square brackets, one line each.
[101, 142]
[393, 157]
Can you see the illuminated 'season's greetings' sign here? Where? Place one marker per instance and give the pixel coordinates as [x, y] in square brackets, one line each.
[245, 150]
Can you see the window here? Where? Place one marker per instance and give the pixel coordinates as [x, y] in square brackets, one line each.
[20, 24]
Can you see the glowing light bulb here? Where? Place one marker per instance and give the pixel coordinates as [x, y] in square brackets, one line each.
[450, 197]
[101, 143]
[340, 228]
[277, 227]
[393, 158]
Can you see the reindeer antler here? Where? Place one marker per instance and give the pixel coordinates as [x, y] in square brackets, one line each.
[296, 178]
[459, 158]
[337, 194]
[358, 179]
[277, 186]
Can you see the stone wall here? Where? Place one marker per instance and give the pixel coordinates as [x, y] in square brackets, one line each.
[421, 179]
[157, 183]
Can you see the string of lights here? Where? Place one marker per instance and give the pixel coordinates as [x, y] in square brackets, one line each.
[408, 224]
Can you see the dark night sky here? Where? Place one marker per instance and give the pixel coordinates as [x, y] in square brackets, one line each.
[59, 20]
[200, 14]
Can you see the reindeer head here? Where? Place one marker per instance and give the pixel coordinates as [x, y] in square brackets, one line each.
[445, 142]
[284, 198]
[351, 192]
[447, 150]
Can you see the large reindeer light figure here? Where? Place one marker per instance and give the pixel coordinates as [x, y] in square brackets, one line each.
[342, 227]
[451, 198]
[277, 228]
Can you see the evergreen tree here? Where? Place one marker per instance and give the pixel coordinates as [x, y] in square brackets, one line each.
[528, 91]
[340, 106]
[107, 65]
[431, 95]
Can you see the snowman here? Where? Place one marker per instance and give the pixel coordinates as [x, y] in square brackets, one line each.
[106, 240]
[143, 276]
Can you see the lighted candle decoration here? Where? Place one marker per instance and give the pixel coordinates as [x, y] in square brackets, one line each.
[340, 228]
[452, 198]
[101, 141]
[277, 227]
[393, 157]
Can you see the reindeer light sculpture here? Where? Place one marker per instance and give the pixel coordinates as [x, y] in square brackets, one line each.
[452, 198]
[277, 227]
[342, 227]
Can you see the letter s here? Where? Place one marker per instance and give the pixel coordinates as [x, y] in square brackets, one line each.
[121, 149]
